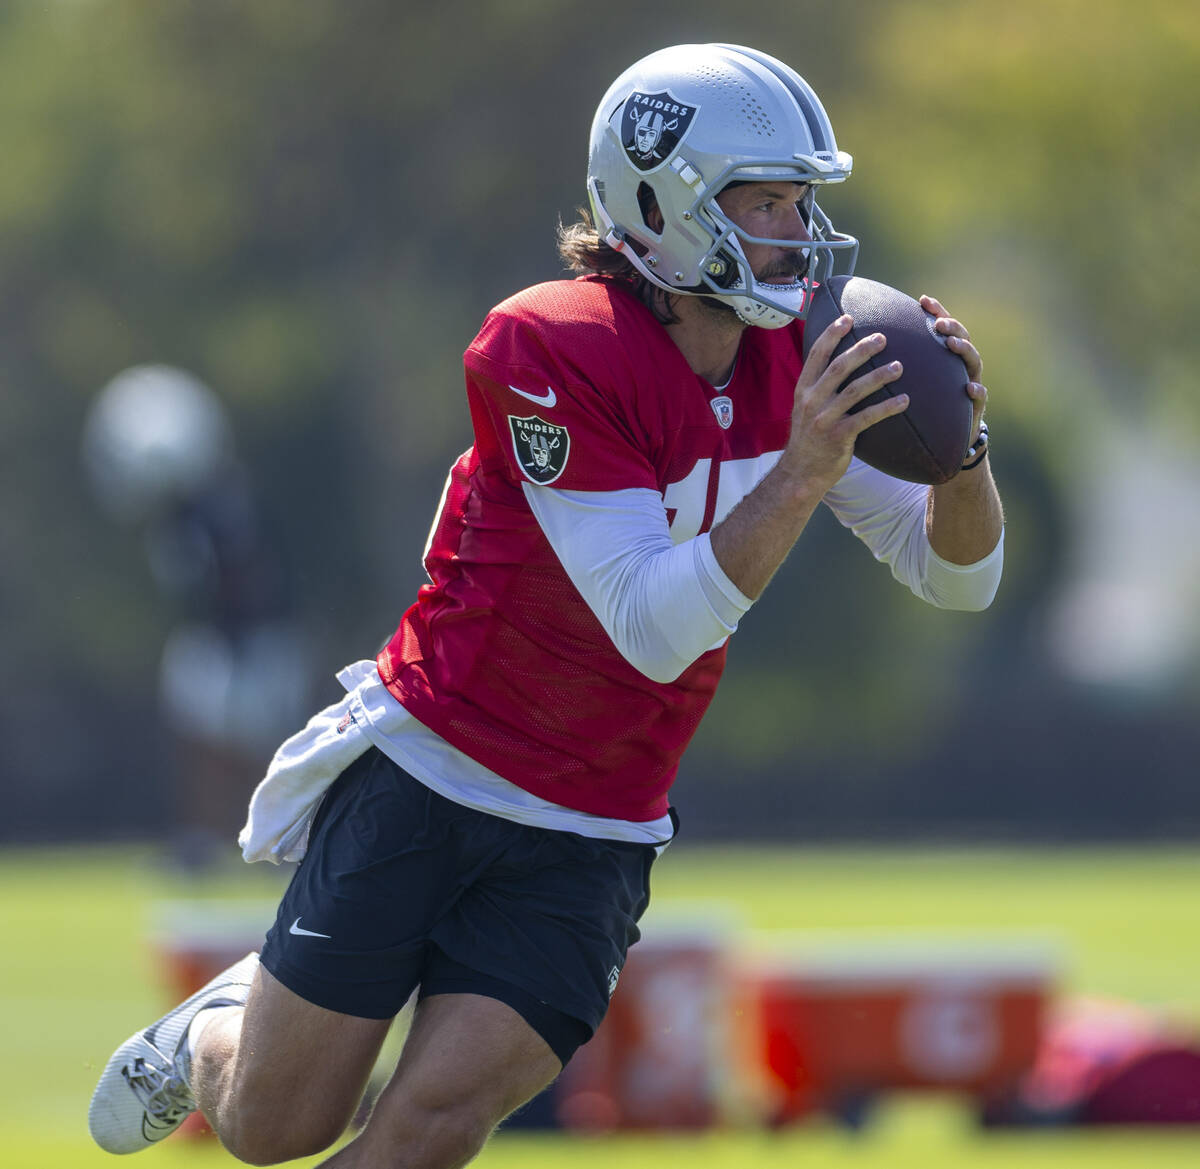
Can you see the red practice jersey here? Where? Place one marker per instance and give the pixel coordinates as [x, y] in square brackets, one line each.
[575, 384]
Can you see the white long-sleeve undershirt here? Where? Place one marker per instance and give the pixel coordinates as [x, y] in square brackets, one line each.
[664, 604]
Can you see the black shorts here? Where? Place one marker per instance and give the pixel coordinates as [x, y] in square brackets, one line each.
[402, 888]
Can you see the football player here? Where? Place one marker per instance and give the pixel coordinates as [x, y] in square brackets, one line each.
[477, 820]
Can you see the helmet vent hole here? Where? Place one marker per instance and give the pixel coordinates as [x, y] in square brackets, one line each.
[739, 99]
[757, 119]
[648, 202]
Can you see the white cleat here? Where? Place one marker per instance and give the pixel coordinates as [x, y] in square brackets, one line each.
[142, 1095]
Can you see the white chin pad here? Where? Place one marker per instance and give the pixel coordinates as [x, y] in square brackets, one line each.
[789, 297]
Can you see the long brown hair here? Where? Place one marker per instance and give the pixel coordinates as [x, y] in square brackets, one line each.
[583, 252]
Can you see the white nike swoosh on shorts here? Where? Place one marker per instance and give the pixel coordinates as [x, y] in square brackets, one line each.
[546, 399]
[295, 929]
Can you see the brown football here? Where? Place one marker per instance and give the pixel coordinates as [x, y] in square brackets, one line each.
[928, 441]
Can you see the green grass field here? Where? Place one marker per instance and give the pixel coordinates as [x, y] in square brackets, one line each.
[77, 975]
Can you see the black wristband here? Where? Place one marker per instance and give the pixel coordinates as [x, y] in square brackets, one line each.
[978, 450]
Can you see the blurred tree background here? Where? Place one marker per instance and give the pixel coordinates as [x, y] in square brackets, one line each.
[312, 206]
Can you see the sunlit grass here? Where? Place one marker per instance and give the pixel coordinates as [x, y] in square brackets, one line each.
[77, 974]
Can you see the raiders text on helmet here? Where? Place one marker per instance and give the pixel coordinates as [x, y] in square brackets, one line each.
[687, 121]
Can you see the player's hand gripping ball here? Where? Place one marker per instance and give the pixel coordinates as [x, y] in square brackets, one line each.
[927, 442]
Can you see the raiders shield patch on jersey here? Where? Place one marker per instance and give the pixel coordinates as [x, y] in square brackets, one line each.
[541, 447]
[652, 126]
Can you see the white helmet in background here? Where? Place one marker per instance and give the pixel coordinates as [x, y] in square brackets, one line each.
[684, 123]
[153, 433]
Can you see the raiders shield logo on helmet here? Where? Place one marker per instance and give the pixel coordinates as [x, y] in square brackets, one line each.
[541, 447]
[652, 126]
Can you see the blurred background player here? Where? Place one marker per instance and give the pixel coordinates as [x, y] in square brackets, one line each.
[159, 452]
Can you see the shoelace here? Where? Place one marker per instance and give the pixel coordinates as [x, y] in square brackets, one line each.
[164, 1096]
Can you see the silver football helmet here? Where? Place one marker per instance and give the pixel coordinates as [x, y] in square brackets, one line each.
[684, 123]
[154, 432]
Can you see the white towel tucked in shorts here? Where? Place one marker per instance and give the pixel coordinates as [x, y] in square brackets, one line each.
[284, 803]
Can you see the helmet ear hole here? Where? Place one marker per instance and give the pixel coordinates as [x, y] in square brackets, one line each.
[652, 215]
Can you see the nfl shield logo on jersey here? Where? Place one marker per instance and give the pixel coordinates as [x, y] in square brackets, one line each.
[722, 407]
[541, 447]
[652, 126]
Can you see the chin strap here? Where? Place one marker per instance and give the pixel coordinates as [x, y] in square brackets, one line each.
[750, 300]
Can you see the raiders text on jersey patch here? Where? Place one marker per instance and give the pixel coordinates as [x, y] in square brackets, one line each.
[541, 447]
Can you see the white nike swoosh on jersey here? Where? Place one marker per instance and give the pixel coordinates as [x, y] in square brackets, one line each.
[305, 933]
[546, 399]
